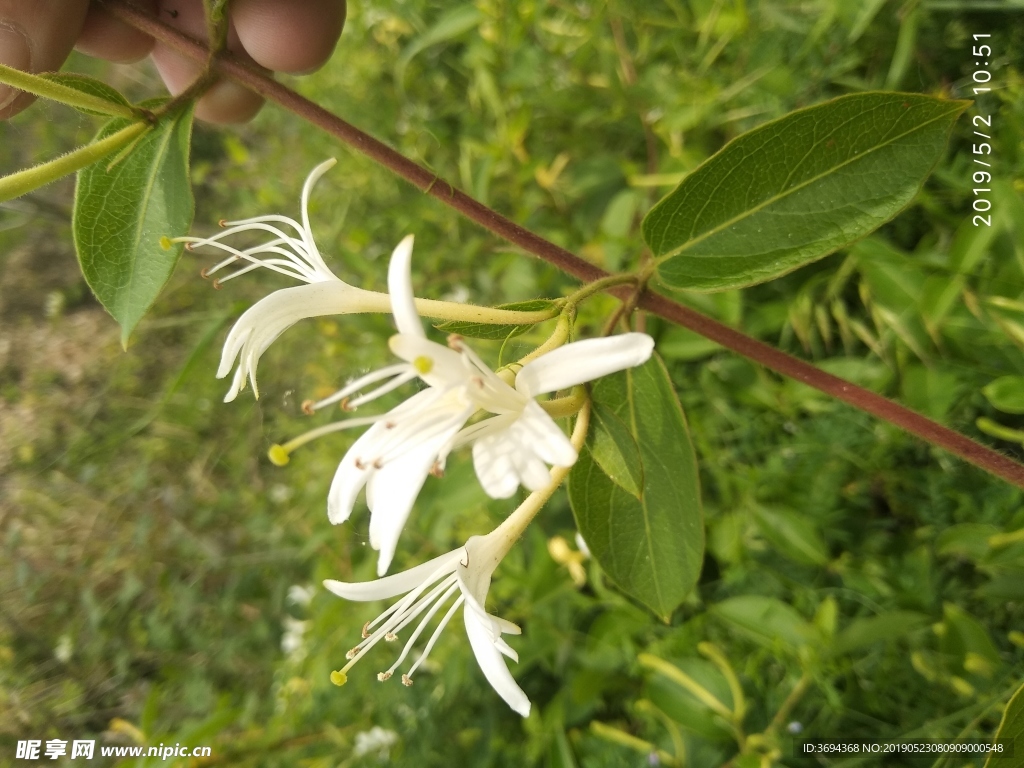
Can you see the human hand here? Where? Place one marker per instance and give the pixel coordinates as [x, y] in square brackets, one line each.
[293, 36]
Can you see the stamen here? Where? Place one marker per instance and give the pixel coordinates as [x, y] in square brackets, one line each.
[344, 405]
[278, 455]
[338, 677]
[216, 284]
[455, 341]
[373, 377]
[437, 470]
[382, 676]
[352, 653]
[378, 463]
[366, 630]
[222, 223]
[423, 364]
[204, 272]
[407, 681]
[308, 407]
[282, 451]
[390, 637]
[190, 246]
[437, 633]
[389, 425]
[359, 463]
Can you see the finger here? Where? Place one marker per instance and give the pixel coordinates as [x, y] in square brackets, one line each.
[107, 37]
[35, 37]
[226, 101]
[297, 36]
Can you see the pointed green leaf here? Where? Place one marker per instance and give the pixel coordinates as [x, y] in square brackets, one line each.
[545, 309]
[766, 621]
[797, 188]
[122, 212]
[874, 629]
[615, 450]
[1011, 729]
[650, 544]
[90, 86]
[1006, 394]
[792, 535]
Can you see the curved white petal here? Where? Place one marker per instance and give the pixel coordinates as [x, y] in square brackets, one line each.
[313, 254]
[395, 488]
[495, 468]
[272, 315]
[582, 361]
[542, 434]
[400, 583]
[488, 656]
[403, 305]
[350, 477]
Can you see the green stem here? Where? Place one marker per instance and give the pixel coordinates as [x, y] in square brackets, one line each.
[599, 285]
[17, 184]
[41, 86]
[787, 706]
[446, 310]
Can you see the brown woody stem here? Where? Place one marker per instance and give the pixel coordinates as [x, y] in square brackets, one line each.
[863, 399]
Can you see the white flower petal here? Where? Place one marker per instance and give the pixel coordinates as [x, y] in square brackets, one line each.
[403, 305]
[272, 315]
[583, 361]
[400, 583]
[395, 488]
[542, 434]
[488, 656]
[495, 469]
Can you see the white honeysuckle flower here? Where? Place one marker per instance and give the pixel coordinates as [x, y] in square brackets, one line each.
[290, 251]
[514, 446]
[463, 574]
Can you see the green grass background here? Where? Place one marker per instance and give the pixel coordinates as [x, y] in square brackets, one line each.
[149, 548]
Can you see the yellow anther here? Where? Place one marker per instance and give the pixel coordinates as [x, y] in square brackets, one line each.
[406, 681]
[382, 676]
[338, 677]
[423, 365]
[278, 455]
[165, 243]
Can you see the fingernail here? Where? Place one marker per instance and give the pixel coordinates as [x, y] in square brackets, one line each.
[14, 52]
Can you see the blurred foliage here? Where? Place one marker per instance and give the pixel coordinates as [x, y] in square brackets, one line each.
[154, 564]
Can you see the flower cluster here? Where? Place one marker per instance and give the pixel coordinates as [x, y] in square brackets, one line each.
[462, 402]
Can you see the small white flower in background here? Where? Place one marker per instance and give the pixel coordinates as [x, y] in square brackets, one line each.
[376, 740]
[290, 251]
[463, 574]
[511, 448]
[64, 649]
[301, 594]
[292, 641]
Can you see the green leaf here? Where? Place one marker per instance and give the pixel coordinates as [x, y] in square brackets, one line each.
[1006, 394]
[497, 331]
[766, 621]
[1011, 729]
[90, 86]
[875, 629]
[792, 535]
[122, 212]
[797, 189]
[449, 26]
[615, 450]
[652, 544]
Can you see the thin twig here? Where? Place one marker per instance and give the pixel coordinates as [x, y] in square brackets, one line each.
[932, 432]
